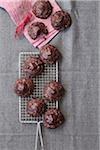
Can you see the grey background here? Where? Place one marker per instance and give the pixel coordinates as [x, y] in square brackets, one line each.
[78, 71]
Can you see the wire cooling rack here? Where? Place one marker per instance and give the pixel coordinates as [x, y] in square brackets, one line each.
[50, 74]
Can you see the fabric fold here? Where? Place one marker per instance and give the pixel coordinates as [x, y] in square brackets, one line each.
[19, 10]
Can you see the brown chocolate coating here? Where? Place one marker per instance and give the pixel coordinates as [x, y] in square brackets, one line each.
[53, 118]
[24, 87]
[53, 91]
[36, 107]
[33, 66]
[49, 54]
[42, 9]
[36, 29]
[61, 20]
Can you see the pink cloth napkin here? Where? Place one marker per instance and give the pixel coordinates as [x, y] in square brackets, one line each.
[19, 9]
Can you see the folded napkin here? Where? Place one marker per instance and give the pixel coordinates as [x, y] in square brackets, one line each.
[21, 13]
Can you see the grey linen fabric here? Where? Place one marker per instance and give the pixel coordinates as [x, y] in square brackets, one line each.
[79, 73]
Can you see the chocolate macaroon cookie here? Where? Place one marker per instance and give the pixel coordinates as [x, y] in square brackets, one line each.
[37, 29]
[61, 20]
[24, 87]
[42, 9]
[53, 91]
[49, 54]
[53, 118]
[36, 107]
[33, 66]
